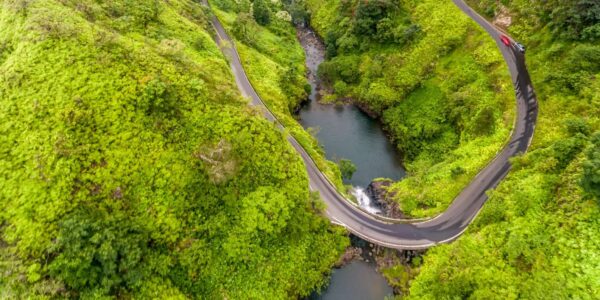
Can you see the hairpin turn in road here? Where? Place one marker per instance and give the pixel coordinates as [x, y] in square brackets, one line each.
[465, 207]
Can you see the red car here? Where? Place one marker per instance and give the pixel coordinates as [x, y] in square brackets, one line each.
[505, 40]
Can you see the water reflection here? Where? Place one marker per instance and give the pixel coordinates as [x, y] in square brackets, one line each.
[359, 281]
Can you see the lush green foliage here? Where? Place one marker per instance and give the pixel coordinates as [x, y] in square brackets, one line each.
[436, 79]
[571, 20]
[591, 168]
[261, 13]
[536, 238]
[347, 168]
[130, 166]
[274, 62]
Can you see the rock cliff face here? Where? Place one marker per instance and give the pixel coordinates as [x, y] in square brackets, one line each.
[378, 192]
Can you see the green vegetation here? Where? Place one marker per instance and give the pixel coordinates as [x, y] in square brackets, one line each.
[274, 62]
[572, 20]
[445, 97]
[130, 166]
[261, 12]
[435, 78]
[591, 169]
[537, 237]
[347, 168]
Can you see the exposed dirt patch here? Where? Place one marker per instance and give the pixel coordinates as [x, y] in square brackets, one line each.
[503, 18]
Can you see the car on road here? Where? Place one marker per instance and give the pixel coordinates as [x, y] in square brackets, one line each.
[505, 40]
[520, 47]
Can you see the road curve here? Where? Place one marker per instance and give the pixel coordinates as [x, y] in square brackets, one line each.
[454, 221]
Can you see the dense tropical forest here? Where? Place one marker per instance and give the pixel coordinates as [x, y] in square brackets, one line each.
[442, 89]
[537, 236]
[131, 166]
[443, 146]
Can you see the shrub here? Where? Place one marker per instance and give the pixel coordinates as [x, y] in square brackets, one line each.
[457, 171]
[368, 14]
[261, 12]
[347, 168]
[244, 28]
[591, 169]
[340, 87]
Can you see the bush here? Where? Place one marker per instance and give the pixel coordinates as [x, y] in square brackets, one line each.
[565, 150]
[368, 14]
[244, 28]
[484, 121]
[171, 47]
[347, 168]
[261, 12]
[591, 169]
[576, 126]
[111, 251]
[299, 13]
[340, 88]
[348, 68]
[576, 19]
[457, 171]
[584, 58]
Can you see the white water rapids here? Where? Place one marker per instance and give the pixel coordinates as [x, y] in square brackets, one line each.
[364, 201]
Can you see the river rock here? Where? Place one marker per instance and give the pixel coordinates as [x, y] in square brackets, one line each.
[378, 192]
[503, 17]
[364, 108]
[349, 255]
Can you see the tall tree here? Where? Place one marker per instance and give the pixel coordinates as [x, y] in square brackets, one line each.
[347, 167]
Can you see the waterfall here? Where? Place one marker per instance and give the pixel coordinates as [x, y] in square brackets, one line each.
[364, 201]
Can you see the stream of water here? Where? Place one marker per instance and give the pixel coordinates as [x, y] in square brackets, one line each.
[345, 132]
[357, 280]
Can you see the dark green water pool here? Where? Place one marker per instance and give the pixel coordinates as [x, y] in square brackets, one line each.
[358, 280]
[346, 132]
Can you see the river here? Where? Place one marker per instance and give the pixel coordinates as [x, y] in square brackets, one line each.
[345, 132]
[357, 280]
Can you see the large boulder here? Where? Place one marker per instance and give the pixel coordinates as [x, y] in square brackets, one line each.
[378, 192]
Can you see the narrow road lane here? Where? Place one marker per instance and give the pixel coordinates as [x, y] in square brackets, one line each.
[452, 223]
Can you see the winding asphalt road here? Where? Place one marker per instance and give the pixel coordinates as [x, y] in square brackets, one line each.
[452, 223]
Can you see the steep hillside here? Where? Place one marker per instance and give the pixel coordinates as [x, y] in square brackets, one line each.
[130, 167]
[274, 62]
[537, 237]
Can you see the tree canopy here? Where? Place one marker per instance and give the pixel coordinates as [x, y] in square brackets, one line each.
[261, 12]
[591, 168]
